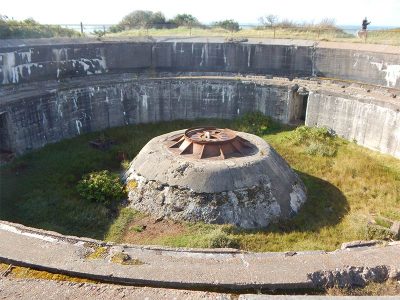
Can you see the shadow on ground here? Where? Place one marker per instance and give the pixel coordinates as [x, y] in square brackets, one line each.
[325, 206]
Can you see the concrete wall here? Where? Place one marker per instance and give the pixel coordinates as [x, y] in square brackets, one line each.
[363, 66]
[30, 120]
[27, 64]
[35, 60]
[38, 120]
[372, 124]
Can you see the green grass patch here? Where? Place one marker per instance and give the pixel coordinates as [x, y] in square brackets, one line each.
[347, 188]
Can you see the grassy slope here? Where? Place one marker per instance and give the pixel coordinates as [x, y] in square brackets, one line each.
[390, 37]
[344, 192]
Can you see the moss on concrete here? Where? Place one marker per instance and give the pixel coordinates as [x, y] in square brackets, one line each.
[27, 273]
[125, 259]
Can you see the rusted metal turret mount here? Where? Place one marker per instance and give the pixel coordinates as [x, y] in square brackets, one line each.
[210, 143]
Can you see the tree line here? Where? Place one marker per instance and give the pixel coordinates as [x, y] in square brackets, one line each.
[147, 19]
[29, 28]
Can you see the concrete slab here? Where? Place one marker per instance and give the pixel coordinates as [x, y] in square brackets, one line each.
[227, 270]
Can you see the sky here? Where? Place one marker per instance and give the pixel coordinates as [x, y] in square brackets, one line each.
[345, 12]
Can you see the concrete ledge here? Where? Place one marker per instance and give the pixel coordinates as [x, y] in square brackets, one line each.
[220, 270]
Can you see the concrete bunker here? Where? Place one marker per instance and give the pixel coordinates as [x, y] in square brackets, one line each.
[215, 176]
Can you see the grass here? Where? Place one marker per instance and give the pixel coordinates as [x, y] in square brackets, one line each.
[388, 288]
[346, 191]
[390, 36]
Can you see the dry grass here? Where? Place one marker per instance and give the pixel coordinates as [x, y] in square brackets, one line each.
[345, 193]
[389, 37]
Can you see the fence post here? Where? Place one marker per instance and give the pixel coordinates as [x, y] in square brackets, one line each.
[81, 28]
[274, 31]
[104, 29]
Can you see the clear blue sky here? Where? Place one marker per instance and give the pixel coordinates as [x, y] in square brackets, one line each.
[345, 12]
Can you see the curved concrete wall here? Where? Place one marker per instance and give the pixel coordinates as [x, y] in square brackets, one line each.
[50, 116]
[32, 60]
[371, 123]
[55, 89]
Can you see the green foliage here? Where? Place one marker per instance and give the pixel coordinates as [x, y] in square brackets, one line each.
[102, 187]
[185, 20]
[220, 239]
[230, 25]
[29, 28]
[316, 140]
[141, 19]
[254, 122]
[377, 232]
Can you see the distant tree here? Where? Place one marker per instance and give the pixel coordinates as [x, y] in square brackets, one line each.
[142, 19]
[230, 25]
[185, 20]
[268, 20]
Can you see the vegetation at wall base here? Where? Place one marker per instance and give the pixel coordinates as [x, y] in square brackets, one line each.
[351, 194]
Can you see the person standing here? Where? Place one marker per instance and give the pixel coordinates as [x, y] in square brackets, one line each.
[364, 24]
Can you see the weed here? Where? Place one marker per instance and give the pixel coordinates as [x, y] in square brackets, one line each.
[125, 259]
[316, 140]
[219, 239]
[102, 187]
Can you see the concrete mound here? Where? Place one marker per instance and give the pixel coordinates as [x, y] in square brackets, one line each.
[249, 188]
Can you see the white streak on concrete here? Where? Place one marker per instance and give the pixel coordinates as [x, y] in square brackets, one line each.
[392, 72]
[248, 56]
[78, 126]
[144, 101]
[12, 229]
[392, 75]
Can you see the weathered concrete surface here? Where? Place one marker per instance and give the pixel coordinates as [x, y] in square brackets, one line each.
[363, 66]
[196, 269]
[38, 113]
[46, 289]
[28, 289]
[369, 121]
[249, 192]
[27, 63]
[32, 60]
[50, 113]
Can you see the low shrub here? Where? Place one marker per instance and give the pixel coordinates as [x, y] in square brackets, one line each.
[101, 187]
[254, 122]
[219, 239]
[377, 232]
[316, 140]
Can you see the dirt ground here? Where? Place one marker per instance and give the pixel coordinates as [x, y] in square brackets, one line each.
[147, 228]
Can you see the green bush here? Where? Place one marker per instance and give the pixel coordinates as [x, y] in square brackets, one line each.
[101, 187]
[219, 239]
[254, 122]
[230, 25]
[317, 140]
